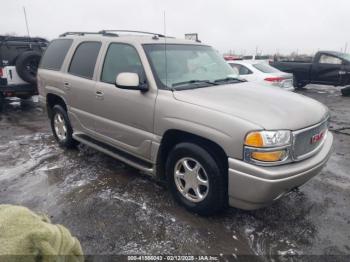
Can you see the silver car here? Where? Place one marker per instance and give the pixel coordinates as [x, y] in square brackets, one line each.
[176, 110]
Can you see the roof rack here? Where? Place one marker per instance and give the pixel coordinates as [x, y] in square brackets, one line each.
[114, 33]
[4, 38]
[132, 31]
[79, 33]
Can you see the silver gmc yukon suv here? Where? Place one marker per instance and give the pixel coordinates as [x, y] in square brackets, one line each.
[176, 110]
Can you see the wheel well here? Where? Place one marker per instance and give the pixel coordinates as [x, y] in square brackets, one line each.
[173, 137]
[51, 101]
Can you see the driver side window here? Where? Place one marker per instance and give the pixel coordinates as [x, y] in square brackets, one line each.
[121, 58]
[327, 59]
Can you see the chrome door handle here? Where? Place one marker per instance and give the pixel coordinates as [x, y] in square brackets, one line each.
[99, 94]
[342, 72]
[67, 85]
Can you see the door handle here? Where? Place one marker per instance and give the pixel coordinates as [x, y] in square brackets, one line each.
[99, 94]
[342, 72]
[66, 85]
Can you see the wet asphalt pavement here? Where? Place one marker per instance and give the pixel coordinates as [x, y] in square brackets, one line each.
[113, 209]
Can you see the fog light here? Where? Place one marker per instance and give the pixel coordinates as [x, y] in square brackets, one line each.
[273, 156]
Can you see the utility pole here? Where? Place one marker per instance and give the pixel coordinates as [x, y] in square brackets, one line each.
[26, 20]
[346, 47]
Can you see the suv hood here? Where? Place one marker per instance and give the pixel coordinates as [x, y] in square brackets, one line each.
[269, 107]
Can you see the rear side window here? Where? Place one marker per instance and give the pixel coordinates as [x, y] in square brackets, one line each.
[265, 68]
[121, 58]
[240, 69]
[84, 59]
[55, 54]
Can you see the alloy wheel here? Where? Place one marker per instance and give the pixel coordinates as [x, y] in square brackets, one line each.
[191, 179]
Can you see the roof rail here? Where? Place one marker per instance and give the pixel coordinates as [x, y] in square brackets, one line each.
[132, 31]
[22, 39]
[111, 33]
[82, 33]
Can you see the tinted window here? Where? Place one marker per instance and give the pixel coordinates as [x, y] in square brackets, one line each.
[240, 69]
[244, 71]
[327, 59]
[84, 59]
[265, 68]
[55, 54]
[235, 67]
[120, 58]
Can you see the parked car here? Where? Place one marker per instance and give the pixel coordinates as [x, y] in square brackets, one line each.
[261, 72]
[173, 109]
[327, 68]
[19, 60]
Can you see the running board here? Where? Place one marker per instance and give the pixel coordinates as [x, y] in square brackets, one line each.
[116, 153]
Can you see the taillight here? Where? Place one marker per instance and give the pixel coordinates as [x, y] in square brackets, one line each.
[274, 79]
[1, 72]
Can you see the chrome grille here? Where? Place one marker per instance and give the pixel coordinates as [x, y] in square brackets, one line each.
[306, 141]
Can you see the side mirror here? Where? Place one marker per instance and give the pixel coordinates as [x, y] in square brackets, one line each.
[130, 81]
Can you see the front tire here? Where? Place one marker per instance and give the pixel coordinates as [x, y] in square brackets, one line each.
[196, 179]
[61, 127]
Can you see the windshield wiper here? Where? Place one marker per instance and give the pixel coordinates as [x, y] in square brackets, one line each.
[193, 82]
[229, 79]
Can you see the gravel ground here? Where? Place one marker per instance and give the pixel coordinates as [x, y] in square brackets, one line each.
[113, 209]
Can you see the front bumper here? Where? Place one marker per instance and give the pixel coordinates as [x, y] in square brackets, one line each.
[252, 187]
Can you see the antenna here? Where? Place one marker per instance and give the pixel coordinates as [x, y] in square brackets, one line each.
[165, 52]
[26, 20]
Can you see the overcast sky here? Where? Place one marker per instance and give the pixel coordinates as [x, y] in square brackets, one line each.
[239, 25]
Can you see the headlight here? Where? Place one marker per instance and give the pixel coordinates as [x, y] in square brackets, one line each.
[268, 138]
[268, 147]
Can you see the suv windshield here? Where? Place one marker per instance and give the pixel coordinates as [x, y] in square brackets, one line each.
[189, 66]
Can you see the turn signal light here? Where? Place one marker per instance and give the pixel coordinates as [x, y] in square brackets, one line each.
[269, 156]
[254, 139]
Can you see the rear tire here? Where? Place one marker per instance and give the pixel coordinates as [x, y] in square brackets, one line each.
[196, 179]
[345, 91]
[61, 127]
[297, 84]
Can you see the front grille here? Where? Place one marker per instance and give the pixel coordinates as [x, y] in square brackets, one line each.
[308, 140]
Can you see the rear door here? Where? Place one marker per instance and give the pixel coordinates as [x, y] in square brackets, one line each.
[79, 85]
[50, 72]
[124, 117]
[327, 70]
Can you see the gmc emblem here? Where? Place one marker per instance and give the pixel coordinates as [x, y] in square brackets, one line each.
[318, 137]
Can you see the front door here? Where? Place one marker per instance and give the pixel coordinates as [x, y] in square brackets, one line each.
[124, 117]
[327, 70]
